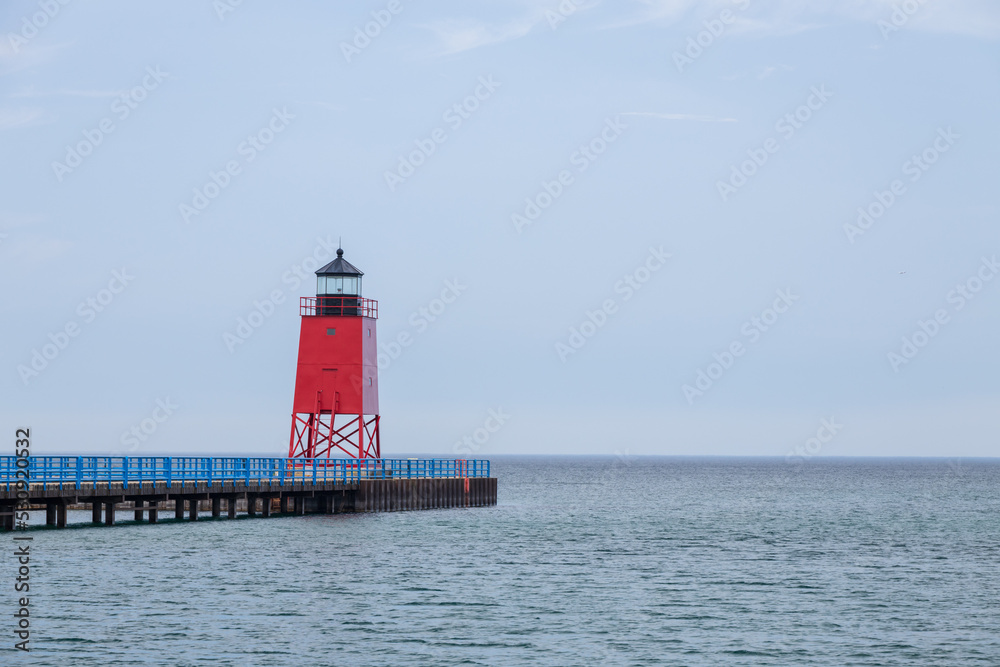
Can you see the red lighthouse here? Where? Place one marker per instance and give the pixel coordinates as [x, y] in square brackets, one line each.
[335, 410]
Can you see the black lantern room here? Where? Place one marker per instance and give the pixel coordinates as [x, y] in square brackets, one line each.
[338, 287]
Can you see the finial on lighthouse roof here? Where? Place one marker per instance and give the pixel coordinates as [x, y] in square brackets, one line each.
[339, 267]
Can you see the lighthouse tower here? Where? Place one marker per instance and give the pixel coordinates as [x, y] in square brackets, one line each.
[335, 409]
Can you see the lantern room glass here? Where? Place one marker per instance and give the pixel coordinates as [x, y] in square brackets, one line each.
[338, 285]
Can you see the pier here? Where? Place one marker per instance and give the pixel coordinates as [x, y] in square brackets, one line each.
[251, 486]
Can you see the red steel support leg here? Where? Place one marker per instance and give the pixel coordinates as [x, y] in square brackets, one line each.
[317, 435]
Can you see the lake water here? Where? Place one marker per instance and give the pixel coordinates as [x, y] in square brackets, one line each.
[595, 561]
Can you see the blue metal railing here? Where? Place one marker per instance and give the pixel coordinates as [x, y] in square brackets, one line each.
[89, 471]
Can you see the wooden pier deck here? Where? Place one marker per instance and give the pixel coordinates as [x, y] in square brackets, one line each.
[249, 486]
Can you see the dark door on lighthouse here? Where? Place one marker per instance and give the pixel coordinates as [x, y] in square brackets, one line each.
[328, 403]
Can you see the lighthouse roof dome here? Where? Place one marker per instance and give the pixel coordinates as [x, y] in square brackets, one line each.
[339, 267]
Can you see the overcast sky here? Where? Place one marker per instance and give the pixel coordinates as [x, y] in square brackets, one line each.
[643, 216]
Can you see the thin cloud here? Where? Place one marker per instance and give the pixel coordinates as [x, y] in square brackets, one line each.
[652, 11]
[327, 105]
[67, 93]
[771, 69]
[26, 57]
[456, 36]
[786, 17]
[783, 17]
[11, 119]
[680, 116]
[35, 249]
[12, 220]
